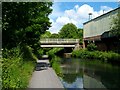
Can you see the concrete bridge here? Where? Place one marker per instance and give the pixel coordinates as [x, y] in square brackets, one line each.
[49, 42]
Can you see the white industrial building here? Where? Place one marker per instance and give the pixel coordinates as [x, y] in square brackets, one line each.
[97, 31]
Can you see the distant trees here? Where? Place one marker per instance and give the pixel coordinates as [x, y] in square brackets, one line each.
[47, 34]
[24, 22]
[54, 35]
[70, 31]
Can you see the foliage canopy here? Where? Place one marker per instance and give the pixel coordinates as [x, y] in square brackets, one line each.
[68, 31]
[71, 31]
[24, 22]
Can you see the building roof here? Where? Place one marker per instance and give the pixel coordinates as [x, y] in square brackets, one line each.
[101, 15]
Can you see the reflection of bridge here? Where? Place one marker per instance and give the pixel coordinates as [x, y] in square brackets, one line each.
[59, 42]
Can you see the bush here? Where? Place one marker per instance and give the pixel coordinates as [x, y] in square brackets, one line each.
[39, 53]
[16, 71]
[91, 47]
[51, 53]
[14, 52]
[104, 56]
[81, 54]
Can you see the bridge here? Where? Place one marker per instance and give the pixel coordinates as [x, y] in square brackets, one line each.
[50, 42]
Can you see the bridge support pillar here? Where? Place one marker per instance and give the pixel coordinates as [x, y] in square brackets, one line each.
[77, 46]
[83, 44]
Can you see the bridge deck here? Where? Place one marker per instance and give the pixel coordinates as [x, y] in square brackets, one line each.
[59, 41]
[57, 45]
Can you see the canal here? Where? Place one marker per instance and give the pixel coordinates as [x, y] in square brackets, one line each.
[78, 73]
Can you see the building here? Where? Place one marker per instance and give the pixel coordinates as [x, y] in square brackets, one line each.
[97, 31]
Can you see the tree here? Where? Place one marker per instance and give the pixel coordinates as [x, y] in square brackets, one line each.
[68, 31]
[115, 29]
[24, 22]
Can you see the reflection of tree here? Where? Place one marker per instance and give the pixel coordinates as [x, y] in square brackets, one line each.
[70, 78]
[110, 78]
[105, 73]
[71, 70]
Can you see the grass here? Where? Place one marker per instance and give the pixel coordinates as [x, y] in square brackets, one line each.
[55, 61]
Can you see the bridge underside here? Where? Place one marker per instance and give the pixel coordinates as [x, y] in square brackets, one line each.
[57, 45]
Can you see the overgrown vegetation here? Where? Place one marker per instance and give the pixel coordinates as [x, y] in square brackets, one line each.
[24, 22]
[17, 68]
[0, 71]
[22, 25]
[53, 51]
[103, 56]
[91, 52]
[55, 61]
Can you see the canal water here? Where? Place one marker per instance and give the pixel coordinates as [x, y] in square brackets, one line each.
[81, 74]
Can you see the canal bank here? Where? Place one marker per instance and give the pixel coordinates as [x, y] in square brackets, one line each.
[44, 76]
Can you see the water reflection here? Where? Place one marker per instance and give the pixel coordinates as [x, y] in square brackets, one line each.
[78, 83]
[89, 74]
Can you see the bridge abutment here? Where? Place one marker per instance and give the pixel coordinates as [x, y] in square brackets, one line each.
[77, 46]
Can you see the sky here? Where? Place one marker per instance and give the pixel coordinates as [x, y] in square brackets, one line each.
[77, 13]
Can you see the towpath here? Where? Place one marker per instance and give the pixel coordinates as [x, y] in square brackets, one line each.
[45, 78]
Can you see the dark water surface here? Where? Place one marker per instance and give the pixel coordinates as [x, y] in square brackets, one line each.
[79, 73]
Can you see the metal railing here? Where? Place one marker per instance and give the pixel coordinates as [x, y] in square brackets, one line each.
[54, 40]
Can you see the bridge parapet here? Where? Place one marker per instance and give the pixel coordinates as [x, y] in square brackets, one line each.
[58, 41]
